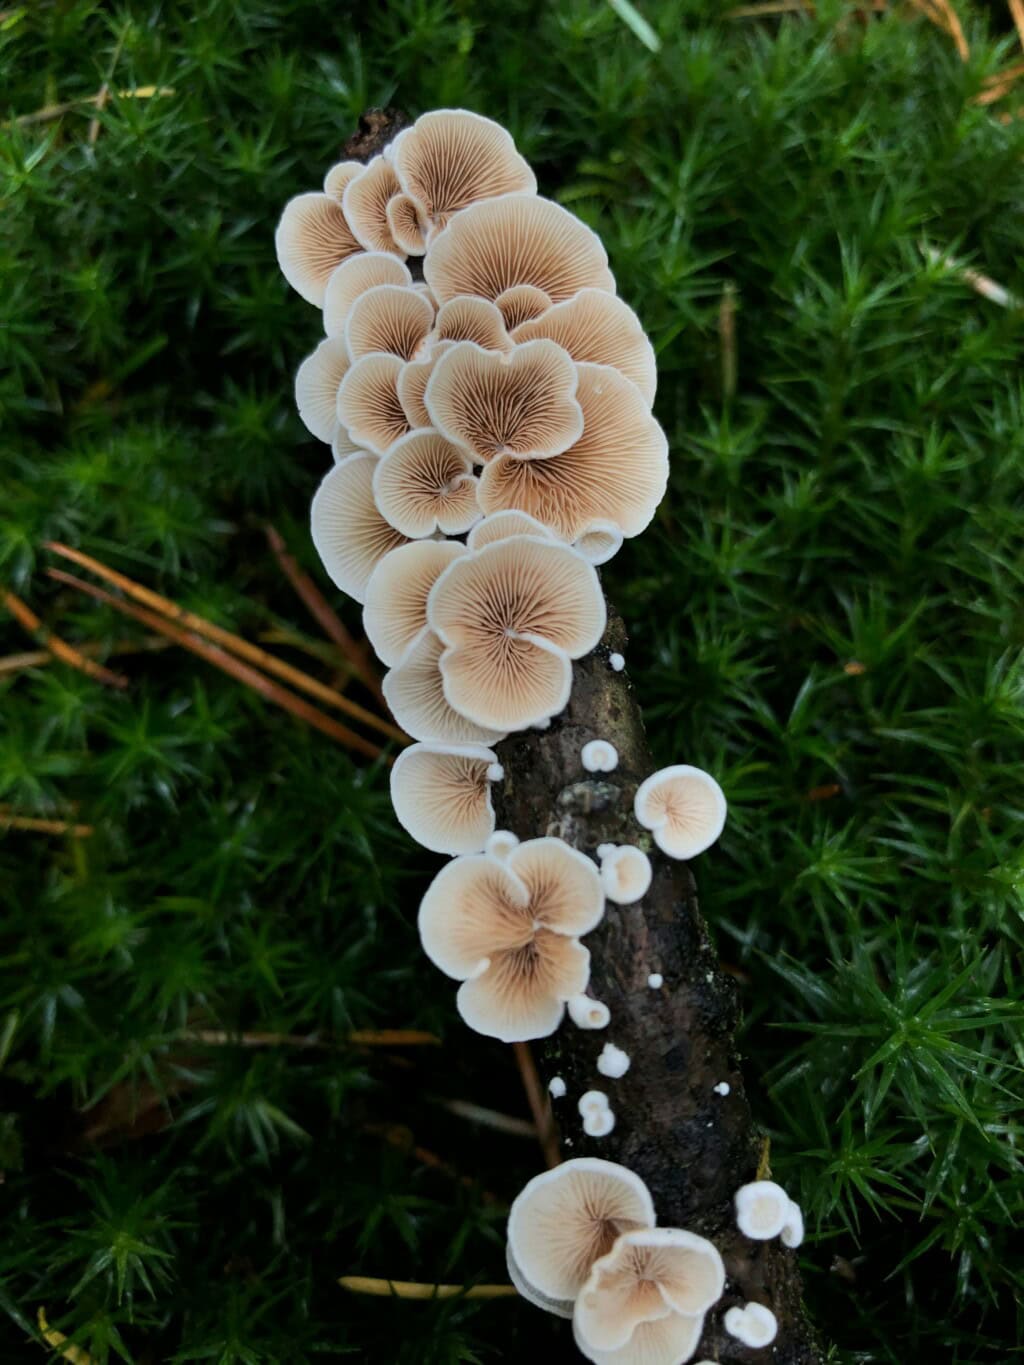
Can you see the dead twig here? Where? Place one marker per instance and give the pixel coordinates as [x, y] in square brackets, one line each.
[59, 648]
[539, 1107]
[60, 1343]
[51, 111]
[409, 1289]
[9, 819]
[490, 1118]
[387, 1037]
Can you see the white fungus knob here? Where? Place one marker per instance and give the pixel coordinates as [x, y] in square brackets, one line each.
[599, 756]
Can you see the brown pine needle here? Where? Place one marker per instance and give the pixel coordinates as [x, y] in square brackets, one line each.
[60, 1343]
[10, 820]
[227, 663]
[355, 651]
[393, 1037]
[1017, 15]
[490, 1118]
[999, 84]
[59, 648]
[52, 111]
[234, 644]
[410, 1289]
[539, 1107]
[942, 14]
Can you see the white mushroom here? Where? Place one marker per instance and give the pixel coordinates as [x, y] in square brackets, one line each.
[389, 318]
[598, 756]
[753, 1324]
[762, 1208]
[598, 327]
[655, 981]
[521, 303]
[312, 239]
[413, 380]
[683, 807]
[368, 404]
[395, 610]
[317, 382]
[407, 224]
[586, 1012]
[626, 874]
[414, 689]
[613, 1061]
[557, 1088]
[793, 1230]
[365, 202]
[617, 662]
[470, 319]
[441, 795]
[340, 176]
[425, 483]
[348, 530]
[502, 525]
[353, 278]
[669, 1340]
[502, 841]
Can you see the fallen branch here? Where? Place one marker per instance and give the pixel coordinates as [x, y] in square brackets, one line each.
[409, 1289]
[59, 648]
[36, 825]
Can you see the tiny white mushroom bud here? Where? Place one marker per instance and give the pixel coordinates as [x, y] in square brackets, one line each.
[613, 1061]
[501, 843]
[495, 773]
[762, 1208]
[604, 851]
[599, 756]
[626, 874]
[655, 981]
[753, 1324]
[617, 662]
[586, 1012]
[556, 1087]
[598, 1118]
[722, 1088]
[793, 1233]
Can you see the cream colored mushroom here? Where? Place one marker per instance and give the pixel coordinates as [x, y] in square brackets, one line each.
[451, 158]
[598, 327]
[348, 530]
[395, 611]
[753, 1324]
[564, 1220]
[391, 319]
[792, 1234]
[340, 176]
[413, 381]
[683, 807]
[407, 224]
[508, 930]
[588, 1013]
[353, 278]
[425, 483]
[519, 405]
[368, 404]
[414, 690]
[502, 842]
[670, 1340]
[762, 1208]
[521, 303]
[512, 617]
[626, 874]
[599, 756]
[317, 382]
[491, 247]
[647, 1275]
[312, 239]
[365, 202]
[470, 319]
[616, 472]
[501, 526]
[601, 541]
[442, 796]
[561, 1308]
[341, 446]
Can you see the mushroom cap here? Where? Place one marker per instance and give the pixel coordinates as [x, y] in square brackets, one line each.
[350, 535]
[512, 616]
[317, 382]
[413, 381]
[407, 224]
[565, 1219]
[340, 176]
[521, 303]
[451, 158]
[501, 843]
[519, 405]
[762, 1208]
[616, 472]
[442, 797]
[312, 239]
[368, 404]
[613, 1061]
[793, 1232]
[365, 201]
[586, 1012]
[663, 1341]
[395, 610]
[391, 318]
[601, 541]
[647, 1275]
[626, 874]
[683, 807]
[354, 277]
[414, 690]
[753, 1324]
[342, 447]
[598, 327]
[598, 756]
[562, 1308]
[502, 525]
[471, 319]
[516, 239]
[506, 928]
[425, 483]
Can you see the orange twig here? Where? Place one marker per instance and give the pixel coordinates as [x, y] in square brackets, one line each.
[1000, 84]
[538, 1104]
[1017, 14]
[59, 648]
[409, 1289]
[942, 14]
[8, 820]
[234, 644]
[393, 1037]
[271, 691]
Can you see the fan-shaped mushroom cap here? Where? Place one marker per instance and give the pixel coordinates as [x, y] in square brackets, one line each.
[501, 843]
[340, 176]
[670, 1340]
[561, 1308]
[506, 928]
[341, 446]
[601, 541]
[648, 1274]
[512, 615]
[792, 1234]
[368, 404]
[616, 471]
[442, 796]
[564, 1220]
[586, 1012]
[407, 224]
[395, 611]
[598, 756]
[683, 807]
[762, 1208]
[365, 202]
[312, 239]
[414, 690]
[519, 405]
[521, 303]
[491, 247]
[600, 328]
[451, 158]
[753, 1324]
[317, 382]
[626, 874]
[470, 319]
[613, 1061]
[353, 278]
[349, 532]
[425, 483]
[389, 318]
[501, 526]
[413, 381]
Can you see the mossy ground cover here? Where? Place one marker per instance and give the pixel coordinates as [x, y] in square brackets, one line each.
[826, 613]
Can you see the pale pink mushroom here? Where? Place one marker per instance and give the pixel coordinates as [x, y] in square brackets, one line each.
[683, 807]
[391, 319]
[598, 327]
[312, 239]
[501, 525]
[601, 541]
[521, 405]
[395, 610]
[354, 277]
[508, 930]
[442, 796]
[368, 404]
[408, 224]
[521, 303]
[414, 689]
[317, 382]
[365, 202]
[340, 176]
[470, 319]
[670, 1340]
[425, 483]
[413, 381]
[625, 872]
[616, 472]
[451, 158]
[754, 1324]
[762, 1209]
[512, 617]
[348, 530]
[517, 239]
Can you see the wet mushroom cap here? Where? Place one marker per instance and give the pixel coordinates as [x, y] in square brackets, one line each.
[670, 1340]
[414, 690]
[353, 278]
[425, 483]
[365, 201]
[348, 530]
[389, 318]
[317, 382]
[441, 796]
[597, 327]
[312, 239]
[395, 610]
[762, 1208]
[684, 808]
[626, 874]
[369, 407]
